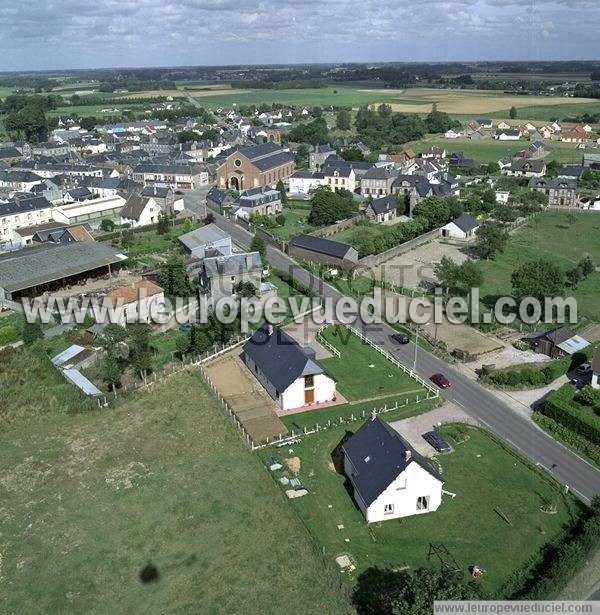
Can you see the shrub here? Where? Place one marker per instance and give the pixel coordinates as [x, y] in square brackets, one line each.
[8, 335]
[280, 219]
[588, 396]
[561, 407]
[521, 345]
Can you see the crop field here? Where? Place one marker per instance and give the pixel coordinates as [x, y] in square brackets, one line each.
[491, 150]
[473, 102]
[562, 239]
[486, 478]
[93, 499]
[149, 94]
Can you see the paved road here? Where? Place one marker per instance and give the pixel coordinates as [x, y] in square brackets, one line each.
[568, 468]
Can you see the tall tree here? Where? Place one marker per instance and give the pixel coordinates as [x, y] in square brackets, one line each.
[282, 191]
[258, 245]
[342, 119]
[491, 238]
[32, 331]
[513, 112]
[540, 278]
[327, 207]
[173, 277]
[446, 271]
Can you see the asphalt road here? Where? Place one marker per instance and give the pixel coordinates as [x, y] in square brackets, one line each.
[568, 468]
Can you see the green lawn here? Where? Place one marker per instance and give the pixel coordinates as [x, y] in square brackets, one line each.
[546, 113]
[345, 96]
[482, 473]
[491, 150]
[89, 500]
[152, 243]
[296, 214]
[552, 236]
[361, 372]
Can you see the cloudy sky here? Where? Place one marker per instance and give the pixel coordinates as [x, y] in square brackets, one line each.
[50, 34]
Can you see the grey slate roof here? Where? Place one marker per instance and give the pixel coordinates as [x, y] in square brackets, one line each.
[384, 204]
[32, 267]
[24, 205]
[233, 264]
[321, 245]
[378, 454]
[203, 236]
[133, 208]
[279, 357]
[466, 223]
[564, 183]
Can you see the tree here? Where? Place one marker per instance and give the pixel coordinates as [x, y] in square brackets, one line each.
[491, 238]
[343, 119]
[186, 136]
[512, 113]
[30, 123]
[446, 271]
[314, 132]
[393, 592]
[282, 191]
[187, 225]
[140, 354]
[434, 210]
[182, 343]
[200, 342]
[505, 213]
[111, 372]
[540, 278]
[162, 225]
[245, 290]
[280, 219]
[32, 331]
[328, 207]
[532, 201]
[438, 121]
[173, 277]
[469, 276]
[88, 123]
[108, 226]
[258, 245]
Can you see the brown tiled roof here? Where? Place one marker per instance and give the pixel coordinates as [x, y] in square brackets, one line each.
[131, 294]
[79, 233]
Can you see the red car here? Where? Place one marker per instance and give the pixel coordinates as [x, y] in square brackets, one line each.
[441, 381]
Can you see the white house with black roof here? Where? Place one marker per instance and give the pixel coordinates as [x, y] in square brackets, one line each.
[288, 372]
[389, 478]
[463, 227]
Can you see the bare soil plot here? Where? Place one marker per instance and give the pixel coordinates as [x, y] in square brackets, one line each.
[415, 268]
[151, 94]
[224, 91]
[250, 402]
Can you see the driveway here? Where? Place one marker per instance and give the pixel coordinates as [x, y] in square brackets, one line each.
[414, 427]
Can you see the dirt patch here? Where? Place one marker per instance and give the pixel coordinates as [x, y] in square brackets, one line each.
[124, 478]
[294, 464]
[223, 92]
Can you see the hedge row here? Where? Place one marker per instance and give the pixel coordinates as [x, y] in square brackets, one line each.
[136, 229]
[8, 335]
[295, 284]
[533, 375]
[564, 558]
[561, 407]
[565, 435]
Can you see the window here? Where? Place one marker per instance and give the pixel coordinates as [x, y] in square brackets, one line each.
[423, 502]
[237, 162]
[309, 381]
[388, 509]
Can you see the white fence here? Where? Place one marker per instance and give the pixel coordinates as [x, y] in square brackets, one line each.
[429, 387]
[325, 343]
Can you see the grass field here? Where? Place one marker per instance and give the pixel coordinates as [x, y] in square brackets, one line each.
[90, 500]
[482, 473]
[555, 237]
[491, 150]
[296, 214]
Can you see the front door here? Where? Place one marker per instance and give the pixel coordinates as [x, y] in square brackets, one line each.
[309, 396]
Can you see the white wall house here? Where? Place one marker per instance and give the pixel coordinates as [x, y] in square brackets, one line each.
[389, 479]
[289, 373]
[140, 211]
[303, 181]
[92, 211]
[22, 212]
[463, 227]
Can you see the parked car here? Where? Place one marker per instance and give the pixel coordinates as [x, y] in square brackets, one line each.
[441, 381]
[438, 443]
[401, 338]
[583, 369]
[578, 383]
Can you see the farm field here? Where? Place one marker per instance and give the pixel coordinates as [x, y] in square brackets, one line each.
[485, 476]
[558, 238]
[491, 150]
[91, 499]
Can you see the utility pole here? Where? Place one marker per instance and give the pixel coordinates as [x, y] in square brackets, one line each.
[416, 349]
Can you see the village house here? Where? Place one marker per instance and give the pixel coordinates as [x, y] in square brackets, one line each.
[463, 227]
[523, 167]
[22, 211]
[577, 134]
[289, 373]
[176, 176]
[383, 209]
[137, 302]
[318, 155]
[377, 182]
[92, 211]
[507, 134]
[165, 198]
[220, 276]
[208, 240]
[389, 478]
[323, 251]
[257, 202]
[453, 133]
[140, 211]
[304, 181]
[561, 191]
[255, 166]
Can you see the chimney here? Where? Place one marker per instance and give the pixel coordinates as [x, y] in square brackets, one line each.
[270, 329]
[248, 261]
[407, 455]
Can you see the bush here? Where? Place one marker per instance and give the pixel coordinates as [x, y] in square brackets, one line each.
[561, 407]
[521, 345]
[588, 396]
[8, 335]
[280, 219]
[564, 558]
[295, 284]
